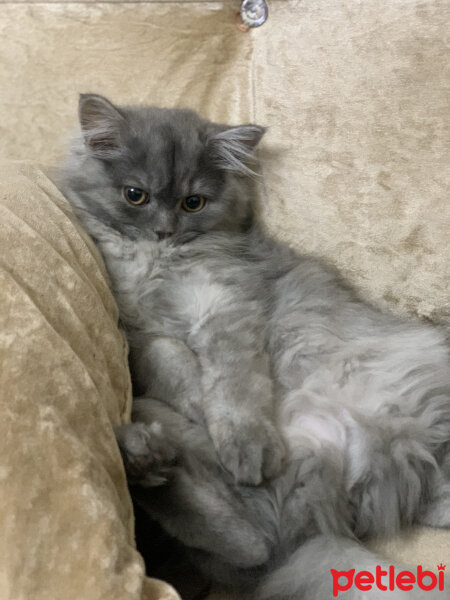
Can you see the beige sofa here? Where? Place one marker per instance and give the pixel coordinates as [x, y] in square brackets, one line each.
[355, 170]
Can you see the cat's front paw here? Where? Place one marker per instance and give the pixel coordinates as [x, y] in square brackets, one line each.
[146, 453]
[250, 452]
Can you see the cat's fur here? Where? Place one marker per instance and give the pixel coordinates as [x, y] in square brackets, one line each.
[281, 419]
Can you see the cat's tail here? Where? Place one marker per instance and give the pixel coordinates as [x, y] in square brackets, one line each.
[329, 568]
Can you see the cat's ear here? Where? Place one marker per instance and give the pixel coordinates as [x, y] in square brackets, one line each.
[233, 147]
[101, 123]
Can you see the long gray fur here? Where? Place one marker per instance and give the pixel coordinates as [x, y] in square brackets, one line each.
[281, 419]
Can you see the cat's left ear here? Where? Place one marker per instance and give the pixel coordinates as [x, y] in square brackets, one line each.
[233, 147]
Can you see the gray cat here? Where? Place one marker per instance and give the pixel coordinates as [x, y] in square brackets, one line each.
[281, 419]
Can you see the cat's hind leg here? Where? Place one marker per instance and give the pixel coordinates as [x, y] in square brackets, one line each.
[180, 483]
[328, 566]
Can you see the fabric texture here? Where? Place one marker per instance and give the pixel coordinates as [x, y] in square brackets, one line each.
[356, 98]
[66, 523]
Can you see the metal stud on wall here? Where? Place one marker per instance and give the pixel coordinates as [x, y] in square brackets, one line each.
[253, 13]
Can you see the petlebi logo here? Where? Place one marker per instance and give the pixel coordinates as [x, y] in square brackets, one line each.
[388, 579]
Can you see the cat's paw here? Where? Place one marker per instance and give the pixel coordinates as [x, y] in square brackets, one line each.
[250, 452]
[147, 454]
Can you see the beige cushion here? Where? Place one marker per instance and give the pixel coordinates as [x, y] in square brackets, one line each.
[66, 524]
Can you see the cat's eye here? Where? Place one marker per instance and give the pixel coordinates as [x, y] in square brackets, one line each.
[135, 196]
[193, 203]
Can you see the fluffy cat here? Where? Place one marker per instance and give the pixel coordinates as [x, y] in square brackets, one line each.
[280, 418]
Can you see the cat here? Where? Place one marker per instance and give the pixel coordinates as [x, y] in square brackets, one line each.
[280, 419]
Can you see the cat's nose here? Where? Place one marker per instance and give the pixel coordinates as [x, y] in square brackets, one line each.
[162, 235]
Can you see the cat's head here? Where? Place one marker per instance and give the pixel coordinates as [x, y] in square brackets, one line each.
[156, 173]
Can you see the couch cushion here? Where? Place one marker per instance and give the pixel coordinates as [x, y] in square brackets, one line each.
[66, 515]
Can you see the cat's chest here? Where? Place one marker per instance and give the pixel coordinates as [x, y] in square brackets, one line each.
[164, 291]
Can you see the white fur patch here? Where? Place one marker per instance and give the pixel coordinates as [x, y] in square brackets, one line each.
[198, 298]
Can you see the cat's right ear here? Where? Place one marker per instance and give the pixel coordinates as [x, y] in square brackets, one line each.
[101, 124]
